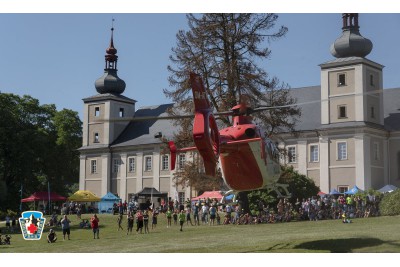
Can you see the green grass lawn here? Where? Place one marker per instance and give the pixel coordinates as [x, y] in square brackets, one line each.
[377, 234]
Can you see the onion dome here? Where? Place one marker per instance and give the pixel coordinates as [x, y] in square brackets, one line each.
[351, 43]
[110, 82]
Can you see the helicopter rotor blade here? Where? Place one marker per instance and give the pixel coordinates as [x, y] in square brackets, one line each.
[260, 108]
[248, 111]
[224, 113]
[263, 108]
[152, 118]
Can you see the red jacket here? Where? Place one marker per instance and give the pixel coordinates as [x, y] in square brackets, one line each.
[94, 223]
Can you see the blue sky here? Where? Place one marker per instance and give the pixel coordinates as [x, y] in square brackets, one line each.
[56, 57]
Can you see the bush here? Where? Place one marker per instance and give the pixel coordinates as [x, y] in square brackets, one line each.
[390, 204]
[300, 186]
[2, 215]
[10, 213]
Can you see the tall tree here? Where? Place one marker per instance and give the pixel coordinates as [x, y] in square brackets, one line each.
[226, 50]
[37, 145]
[23, 137]
[68, 128]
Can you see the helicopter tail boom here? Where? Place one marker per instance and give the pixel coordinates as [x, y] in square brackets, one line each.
[205, 131]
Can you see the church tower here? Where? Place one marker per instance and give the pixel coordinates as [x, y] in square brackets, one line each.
[102, 110]
[101, 126]
[351, 85]
[352, 140]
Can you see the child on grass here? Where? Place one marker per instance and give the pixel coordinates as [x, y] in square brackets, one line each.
[181, 218]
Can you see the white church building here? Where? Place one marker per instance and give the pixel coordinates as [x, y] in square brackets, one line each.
[348, 135]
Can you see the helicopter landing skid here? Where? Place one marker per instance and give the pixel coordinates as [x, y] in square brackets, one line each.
[228, 193]
[278, 188]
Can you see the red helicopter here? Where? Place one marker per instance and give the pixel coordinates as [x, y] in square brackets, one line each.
[248, 160]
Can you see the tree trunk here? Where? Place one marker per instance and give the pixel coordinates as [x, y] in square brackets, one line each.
[244, 202]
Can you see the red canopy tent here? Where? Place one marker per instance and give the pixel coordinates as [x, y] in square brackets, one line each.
[209, 194]
[43, 196]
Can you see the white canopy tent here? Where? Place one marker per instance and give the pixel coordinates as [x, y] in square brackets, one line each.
[387, 188]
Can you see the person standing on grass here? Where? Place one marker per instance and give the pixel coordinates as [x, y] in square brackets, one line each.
[213, 211]
[168, 214]
[65, 227]
[218, 218]
[78, 211]
[119, 220]
[154, 219]
[8, 223]
[94, 222]
[139, 221]
[204, 213]
[175, 216]
[146, 221]
[120, 207]
[188, 219]
[196, 214]
[181, 219]
[130, 220]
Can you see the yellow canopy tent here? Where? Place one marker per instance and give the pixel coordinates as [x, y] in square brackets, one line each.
[84, 196]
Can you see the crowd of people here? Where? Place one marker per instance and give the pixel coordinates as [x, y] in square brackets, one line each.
[76, 208]
[211, 212]
[312, 209]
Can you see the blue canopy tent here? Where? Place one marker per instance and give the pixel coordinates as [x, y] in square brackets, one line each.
[353, 191]
[334, 192]
[107, 202]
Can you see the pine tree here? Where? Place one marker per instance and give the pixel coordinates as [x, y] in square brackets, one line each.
[227, 51]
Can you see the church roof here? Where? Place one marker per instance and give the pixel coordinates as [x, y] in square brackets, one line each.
[142, 132]
[391, 100]
[310, 119]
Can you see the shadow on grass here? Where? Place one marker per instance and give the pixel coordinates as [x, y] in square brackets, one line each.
[340, 245]
[343, 245]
